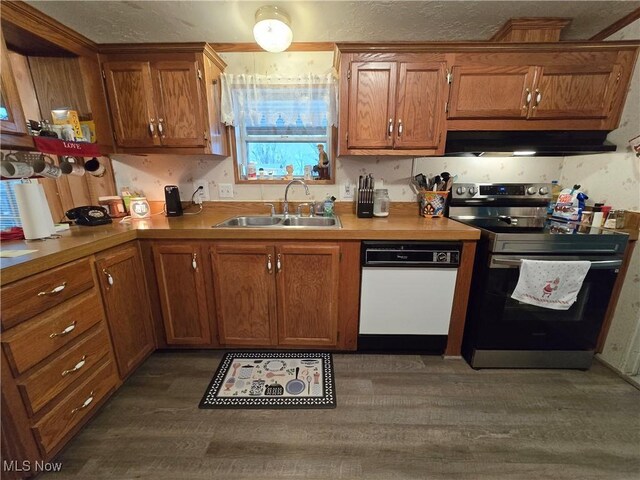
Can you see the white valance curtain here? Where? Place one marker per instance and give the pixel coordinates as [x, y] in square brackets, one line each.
[279, 101]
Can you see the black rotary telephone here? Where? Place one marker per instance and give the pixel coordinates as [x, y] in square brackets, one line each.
[89, 215]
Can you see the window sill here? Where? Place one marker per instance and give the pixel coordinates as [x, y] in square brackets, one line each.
[281, 181]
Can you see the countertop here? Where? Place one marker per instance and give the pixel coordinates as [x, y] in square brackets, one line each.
[82, 241]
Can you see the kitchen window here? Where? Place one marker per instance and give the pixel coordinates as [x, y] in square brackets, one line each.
[280, 125]
[9, 216]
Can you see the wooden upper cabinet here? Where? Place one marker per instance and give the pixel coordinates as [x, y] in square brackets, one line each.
[575, 91]
[372, 92]
[390, 106]
[419, 112]
[308, 286]
[179, 103]
[125, 298]
[11, 115]
[180, 273]
[491, 91]
[130, 94]
[245, 293]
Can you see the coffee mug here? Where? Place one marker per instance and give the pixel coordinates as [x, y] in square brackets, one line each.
[94, 167]
[69, 168]
[46, 169]
[16, 169]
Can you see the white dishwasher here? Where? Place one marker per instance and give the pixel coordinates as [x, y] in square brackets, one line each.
[406, 295]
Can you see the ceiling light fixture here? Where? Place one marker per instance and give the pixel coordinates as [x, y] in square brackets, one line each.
[524, 153]
[272, 30]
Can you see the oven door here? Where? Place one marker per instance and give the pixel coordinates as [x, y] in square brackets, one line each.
[502, 323]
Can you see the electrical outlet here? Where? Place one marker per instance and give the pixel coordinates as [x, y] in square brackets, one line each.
[203, 193]
[346, 191]
[225, 190]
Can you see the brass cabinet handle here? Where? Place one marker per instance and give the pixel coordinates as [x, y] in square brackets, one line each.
[390, 126]
[160, 128]
[78, 366]
[269, 265]
[399, 128]
[67, 330]
[152, 129]
[56, 290]
[109, 277]
[538, 98]
[528, 98]
[278, 264]
[86, 403]
[194, 263]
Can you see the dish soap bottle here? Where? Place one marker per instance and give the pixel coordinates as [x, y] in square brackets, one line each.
[328, 206]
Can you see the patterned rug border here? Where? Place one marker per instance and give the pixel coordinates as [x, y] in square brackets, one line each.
[210, 401]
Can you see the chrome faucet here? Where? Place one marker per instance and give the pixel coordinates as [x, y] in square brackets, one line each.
[285, 204]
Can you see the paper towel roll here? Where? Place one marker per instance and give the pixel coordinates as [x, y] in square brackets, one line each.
[34, 211]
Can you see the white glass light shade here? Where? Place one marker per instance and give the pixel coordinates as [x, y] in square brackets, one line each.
[272, 31]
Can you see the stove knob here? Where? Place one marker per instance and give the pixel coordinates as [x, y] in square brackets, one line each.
[460, 190]
[472, 190]
[543, 190]
[531, 190]
[441, 257]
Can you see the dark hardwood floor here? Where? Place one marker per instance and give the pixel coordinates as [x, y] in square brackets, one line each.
[398, 417]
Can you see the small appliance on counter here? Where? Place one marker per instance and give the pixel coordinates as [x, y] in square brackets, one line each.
[501, 332]
[173, 206]
[90, 216]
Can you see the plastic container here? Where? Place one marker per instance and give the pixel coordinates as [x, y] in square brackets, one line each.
[381, 203]
[556, 188]
[251, 171]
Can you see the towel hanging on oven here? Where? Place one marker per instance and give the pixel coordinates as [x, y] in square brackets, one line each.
[550, 284]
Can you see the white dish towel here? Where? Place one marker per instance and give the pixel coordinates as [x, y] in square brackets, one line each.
[550, 284]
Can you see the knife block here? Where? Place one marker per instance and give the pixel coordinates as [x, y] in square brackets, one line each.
[364, 203]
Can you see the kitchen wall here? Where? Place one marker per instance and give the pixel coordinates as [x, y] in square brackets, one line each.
[615, 178]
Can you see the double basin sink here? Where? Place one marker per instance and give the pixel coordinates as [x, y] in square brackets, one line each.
[279, 221]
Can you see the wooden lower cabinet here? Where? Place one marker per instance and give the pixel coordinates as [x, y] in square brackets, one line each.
[307, 283]
[180, 274]
[283, 294]
[245, 293]
[126, 303]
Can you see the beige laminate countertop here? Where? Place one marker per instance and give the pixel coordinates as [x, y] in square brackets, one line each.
[82, 241]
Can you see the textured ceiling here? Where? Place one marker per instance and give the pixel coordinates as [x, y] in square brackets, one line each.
[323, 21]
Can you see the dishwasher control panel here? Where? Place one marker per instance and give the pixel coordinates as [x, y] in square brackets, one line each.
[411, 254]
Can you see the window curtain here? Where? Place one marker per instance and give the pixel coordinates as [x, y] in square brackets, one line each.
[279, 101]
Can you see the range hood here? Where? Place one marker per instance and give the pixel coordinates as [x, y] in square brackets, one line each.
[533, 143]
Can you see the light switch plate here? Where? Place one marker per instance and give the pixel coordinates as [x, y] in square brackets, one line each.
[225, 190]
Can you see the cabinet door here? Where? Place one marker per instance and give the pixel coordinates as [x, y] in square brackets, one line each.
[127, 306]
[11, 115]
[308, 288]
[420, 106]
[130, 95]
[575, 91]
[245, 293]
[372, 91]
[181, 283]
[179, 104]
[491, 91]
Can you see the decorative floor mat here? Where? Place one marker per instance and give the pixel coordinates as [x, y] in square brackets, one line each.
[272, 380]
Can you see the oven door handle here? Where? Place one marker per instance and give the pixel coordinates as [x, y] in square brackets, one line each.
[514, 262]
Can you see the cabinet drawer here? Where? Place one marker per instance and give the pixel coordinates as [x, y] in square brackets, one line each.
[47, 382]
[26, 298]
[33, 341]
[72, 409]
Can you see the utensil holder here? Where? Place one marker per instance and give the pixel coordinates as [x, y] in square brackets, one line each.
[364, 203]
[433, 204]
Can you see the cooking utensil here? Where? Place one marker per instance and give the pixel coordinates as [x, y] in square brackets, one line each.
[436, 182]
[235, 366]
[308, 384]
[271, 374]
[295, 386]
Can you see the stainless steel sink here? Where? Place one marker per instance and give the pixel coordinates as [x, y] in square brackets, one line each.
[326, 222]
[279, 221]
